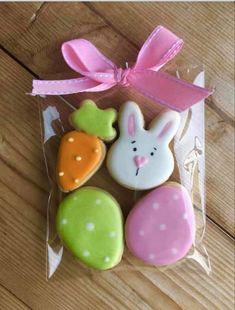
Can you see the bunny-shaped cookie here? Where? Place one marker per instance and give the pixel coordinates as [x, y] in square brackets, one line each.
[141, 159]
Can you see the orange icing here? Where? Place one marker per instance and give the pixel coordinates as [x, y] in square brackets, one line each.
[80, 155]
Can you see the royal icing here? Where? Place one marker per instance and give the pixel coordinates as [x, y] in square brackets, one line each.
[79, 157]
[89, 223]
[141, 159]
[94, 121]
[160, 229]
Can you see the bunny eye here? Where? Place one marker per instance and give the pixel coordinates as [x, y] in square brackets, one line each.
[152, 153]
[135, 149]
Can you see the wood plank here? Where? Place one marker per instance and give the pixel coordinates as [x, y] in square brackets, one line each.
[207, 29]
[8, 301]
[22, 234]
[24, 44]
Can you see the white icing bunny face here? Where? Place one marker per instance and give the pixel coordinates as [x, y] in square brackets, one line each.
[140, 158]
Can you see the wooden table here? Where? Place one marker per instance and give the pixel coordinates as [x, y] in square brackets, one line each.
[30, 37]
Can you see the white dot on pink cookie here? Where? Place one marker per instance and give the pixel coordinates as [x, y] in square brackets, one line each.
[160, 229]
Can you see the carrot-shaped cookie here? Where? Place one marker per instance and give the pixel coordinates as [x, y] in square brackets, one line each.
[82, 153]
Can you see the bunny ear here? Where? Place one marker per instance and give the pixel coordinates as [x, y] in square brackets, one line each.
[131, 119]
[165, 126]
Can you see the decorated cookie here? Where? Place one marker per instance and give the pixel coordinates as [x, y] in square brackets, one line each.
[79, 157]
[160, 229]
[89, 223]
[94, 121]
[141, 159]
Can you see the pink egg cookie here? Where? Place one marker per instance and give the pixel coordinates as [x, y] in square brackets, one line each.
[160, 229]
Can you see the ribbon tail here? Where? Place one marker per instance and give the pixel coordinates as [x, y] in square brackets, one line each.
[65, 87]
[168, 90]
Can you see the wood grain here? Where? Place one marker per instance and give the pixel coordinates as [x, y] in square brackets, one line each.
[22, 234]
[34, 47]
[9, 301]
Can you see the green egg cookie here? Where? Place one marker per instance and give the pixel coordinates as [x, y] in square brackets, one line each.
[89, 223]
[94, 121]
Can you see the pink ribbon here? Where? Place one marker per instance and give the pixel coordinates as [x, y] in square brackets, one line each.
[101, 74]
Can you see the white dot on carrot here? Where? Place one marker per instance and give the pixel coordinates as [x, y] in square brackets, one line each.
[78, 158]
[96, 150]
[76, 181]
[71, 139]
[61, 173]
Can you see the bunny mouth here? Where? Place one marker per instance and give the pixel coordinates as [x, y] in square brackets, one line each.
[137, 171]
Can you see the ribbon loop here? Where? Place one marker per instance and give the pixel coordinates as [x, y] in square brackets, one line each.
[83, 57]
[100, 73]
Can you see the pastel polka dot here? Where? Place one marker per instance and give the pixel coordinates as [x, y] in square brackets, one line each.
[93, 232]
[174, 251]
[112, 234]
[162, 227]
[141, 232]
[64, 221]
[107, 259]
[151, 256]
[90, 226]
[163, 236]
[98, 201]
[86, 253]
[155, 205]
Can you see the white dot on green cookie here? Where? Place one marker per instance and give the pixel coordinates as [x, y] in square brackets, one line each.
[64, 221]
[90, 226]
[75, 198]
[112, 234]
[107, 259]
[86, 253]
[98, 201]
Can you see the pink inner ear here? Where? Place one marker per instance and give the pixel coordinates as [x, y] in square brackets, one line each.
[164, 130]
[131, 125]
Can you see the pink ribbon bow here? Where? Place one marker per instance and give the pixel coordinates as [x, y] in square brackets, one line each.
[100, 73]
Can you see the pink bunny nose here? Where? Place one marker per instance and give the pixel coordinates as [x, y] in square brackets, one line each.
[140, 161]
